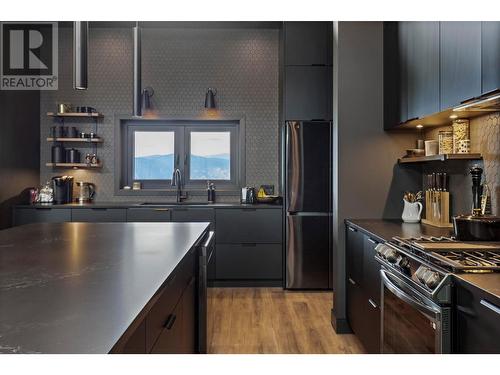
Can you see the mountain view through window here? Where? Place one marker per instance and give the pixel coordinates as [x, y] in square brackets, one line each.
[209, 155]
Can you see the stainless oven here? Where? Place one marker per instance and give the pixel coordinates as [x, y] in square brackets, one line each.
[410, 321]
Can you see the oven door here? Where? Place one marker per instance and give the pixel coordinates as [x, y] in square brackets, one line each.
[410, 322]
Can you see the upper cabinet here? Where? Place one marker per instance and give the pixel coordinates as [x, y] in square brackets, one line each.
[422, 68]
[307, 43]
[460, 62]
[490, 51]
[307, 65]
[431, 67]
[395, 77]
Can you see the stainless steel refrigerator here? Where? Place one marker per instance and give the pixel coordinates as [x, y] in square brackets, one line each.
[308, 166]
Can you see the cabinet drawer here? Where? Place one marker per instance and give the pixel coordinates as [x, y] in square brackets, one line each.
[477, 320]
[96, 215]
[194, 215]
[156, 215]
[354, 254]
[248, 225]
[41, 215]
[168, 299]
[249, 262]
[170, 339]
[371, 271]
[135, 344]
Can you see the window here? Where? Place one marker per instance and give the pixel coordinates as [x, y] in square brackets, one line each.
[202, 150]
[153, 155]
[210, 156]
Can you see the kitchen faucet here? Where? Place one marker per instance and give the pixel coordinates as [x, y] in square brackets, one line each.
[177, 181]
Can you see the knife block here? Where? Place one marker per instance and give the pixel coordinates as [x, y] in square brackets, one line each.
[441, 200]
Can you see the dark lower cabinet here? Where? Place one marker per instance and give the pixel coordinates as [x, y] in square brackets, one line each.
[249, 261]
[371, 271]
[41, 215]
[354, 302]
[249, 225]
[148, 215]
[170, 340]
[189, 315]
[136, 344]
[354, 255]
[170, 324]
[194, 215]
[477, 320]
[363, 289]
[99, 215]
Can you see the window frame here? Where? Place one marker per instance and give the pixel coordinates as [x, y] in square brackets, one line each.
[124, 154]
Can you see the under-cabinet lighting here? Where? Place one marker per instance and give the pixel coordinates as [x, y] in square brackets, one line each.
[465, 106]
[453, 117]
[420, 126]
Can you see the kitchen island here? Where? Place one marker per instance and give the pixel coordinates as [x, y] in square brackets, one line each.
[99, 287]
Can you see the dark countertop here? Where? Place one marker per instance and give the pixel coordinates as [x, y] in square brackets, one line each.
[160, 204]
[384, 230]
[77, 287]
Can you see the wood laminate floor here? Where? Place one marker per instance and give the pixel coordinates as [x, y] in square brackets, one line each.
[271, 320]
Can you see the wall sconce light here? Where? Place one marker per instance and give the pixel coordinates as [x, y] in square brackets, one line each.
[210, 98]
[147, 93]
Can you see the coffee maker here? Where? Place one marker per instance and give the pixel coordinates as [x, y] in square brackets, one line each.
[63, 189]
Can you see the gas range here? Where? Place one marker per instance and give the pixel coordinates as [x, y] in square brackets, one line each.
[454, 256]
[427, 263]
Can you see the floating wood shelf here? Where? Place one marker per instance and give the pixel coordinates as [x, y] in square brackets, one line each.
[444, 157]
[75, 114]
[74, 165]
[83, 140]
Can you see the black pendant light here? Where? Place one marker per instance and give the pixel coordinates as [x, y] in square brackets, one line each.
[137, 72]
[210, 98]
[80, 55]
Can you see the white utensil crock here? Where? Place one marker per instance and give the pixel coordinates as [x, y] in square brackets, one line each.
[411, 212]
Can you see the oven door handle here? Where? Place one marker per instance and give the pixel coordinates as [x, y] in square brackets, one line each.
[425, 309]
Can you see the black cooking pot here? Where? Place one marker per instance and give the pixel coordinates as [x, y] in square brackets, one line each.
[476, 228]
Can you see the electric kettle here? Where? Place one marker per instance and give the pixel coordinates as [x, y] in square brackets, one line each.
[87, 191]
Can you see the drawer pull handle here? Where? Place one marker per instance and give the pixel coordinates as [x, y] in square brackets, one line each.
[352, 229]
[372, 241]
[372, 303]
[490, 306]
[249, 244]
[170, 321]
[352, 281]
[161, 209]
[43, 208]
[99, 208]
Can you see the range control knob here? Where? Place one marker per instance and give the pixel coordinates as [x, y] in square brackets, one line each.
[404, 262]
[432, 279]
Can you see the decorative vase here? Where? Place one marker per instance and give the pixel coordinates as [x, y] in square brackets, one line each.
[411, 212]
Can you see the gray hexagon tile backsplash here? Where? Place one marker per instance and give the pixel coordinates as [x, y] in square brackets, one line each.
[242, 64]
